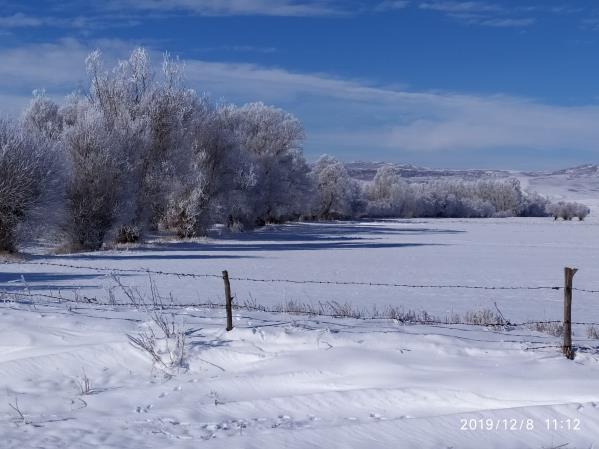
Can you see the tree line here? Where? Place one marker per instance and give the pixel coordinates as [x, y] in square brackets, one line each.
[138, 151]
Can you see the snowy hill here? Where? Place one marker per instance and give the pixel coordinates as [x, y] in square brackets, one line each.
[578, 183]
[365, 171]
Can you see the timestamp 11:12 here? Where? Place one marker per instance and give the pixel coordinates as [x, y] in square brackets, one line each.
[563, 424]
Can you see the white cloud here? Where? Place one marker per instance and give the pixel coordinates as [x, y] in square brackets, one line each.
[460, 7]
[56, 67]
[391, 5]
[238, 7]
[59, 64]
[502, 123]
[339, 113]
[481, 13]
[412, 121]
[507, 22]
[20, 20]
[238, 49]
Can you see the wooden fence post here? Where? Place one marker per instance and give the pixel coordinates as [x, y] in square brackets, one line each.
[567, 346]
[229, 300]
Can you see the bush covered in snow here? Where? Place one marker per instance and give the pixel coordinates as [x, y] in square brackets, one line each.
[388, 195]
[28, 177]
[568, 210]
[95, 177]
[337, 194]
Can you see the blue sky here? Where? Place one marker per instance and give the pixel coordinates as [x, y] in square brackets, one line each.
[490, 84]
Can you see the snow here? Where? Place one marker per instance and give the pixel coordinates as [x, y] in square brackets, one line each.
[285, 381]
[487, 252]
[289, 380]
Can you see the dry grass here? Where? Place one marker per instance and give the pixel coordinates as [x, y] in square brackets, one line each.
[84, 384]
[555, 329]
[483, 317]
[164, 340]
[592, 332]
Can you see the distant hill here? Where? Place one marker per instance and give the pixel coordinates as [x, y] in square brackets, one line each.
[577, 183]
[365, 171]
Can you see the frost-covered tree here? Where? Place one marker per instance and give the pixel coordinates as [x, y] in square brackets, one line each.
[153, 114]
[390, 196]
[247, 169]
[582, 211]
[216, 170]
[270, 140]
[28, 176]
[43, 117]
[505, 196]
[534, 205]
[452, 199]
[94, 195]
[169, 116]
[337, 194]
[568, 210]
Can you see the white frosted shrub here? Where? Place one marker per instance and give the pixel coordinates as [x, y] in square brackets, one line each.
[388, 195]
[568, 210]
[94, 183]
[43, 117]
[28, 175]
[337, 194]
[271, 140]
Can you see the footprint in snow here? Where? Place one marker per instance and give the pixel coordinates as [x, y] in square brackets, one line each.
[145, 409]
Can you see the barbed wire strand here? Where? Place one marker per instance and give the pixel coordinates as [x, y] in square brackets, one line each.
[118, 270]
[446, 324]
[295, 281]
[93, 301]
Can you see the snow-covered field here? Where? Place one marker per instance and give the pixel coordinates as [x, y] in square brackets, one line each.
[287, 380]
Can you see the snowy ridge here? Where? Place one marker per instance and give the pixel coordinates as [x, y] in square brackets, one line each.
[366, 170]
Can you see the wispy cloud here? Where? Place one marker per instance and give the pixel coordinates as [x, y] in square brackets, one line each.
[20, 20]
[480, 13]
[297, 8]
[238, 49]
[391, 5]
[56, 67]
[93, 21]
[461, 7]
[506, 22]
[341, 115]
[405, 121]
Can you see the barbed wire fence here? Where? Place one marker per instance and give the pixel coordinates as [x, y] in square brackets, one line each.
[328, 309]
